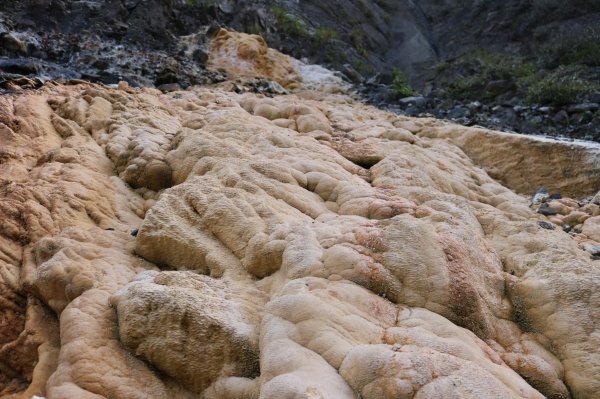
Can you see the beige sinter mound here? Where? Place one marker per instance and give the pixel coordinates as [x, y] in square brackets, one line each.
[207, 244]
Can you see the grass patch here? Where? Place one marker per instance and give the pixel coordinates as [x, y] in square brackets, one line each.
[357, 38]
[400, 85]
[324, 35]
[485, 75]
[205, 5]
[561, 87]
[255, 29]
[334, 56]
[583, 49]
[289, 24]
[367, 11]
[362, 67]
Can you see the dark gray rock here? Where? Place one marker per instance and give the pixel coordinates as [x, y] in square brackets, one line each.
[9, 42]
[413, 111]
[352, 73]
[540, 196]
[169, 87]
[508, 117]
[23, 66]
[561, 117]
[581, 118]
[546, 225]
[475, 106]
[226, 6]
[585, 107]
[200, 56]
[594, 97]
[536, 120]
[546, 210]
[268, 87]
[417, 101]
[459, 112]
[594, 250]
[374, 80]
[519, 109]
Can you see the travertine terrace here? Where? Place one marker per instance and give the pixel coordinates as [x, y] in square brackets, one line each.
[208, 244]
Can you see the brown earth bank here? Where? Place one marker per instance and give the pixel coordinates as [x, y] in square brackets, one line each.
[216, 243]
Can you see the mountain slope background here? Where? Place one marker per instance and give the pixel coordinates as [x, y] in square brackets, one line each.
[372, 36]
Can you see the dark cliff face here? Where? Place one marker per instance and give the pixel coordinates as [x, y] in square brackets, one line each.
[414, 35]
[373, 36]
[515, 26]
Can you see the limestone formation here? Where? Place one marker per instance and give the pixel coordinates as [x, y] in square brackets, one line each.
[301, 246]
[526, 163]
[248, 55]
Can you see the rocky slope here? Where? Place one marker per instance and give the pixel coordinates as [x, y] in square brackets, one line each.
[373, 36]
[215, 244]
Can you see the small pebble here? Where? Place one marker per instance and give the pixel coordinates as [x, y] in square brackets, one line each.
[546, 225]
[546, 210]
[540, 196]
[594, 250]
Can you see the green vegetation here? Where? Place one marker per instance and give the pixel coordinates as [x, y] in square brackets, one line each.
[324, 35]
[322, 40]
[582, 49]
[289, 24]
[297, 28]
[356, 35]
[366, 9]
[561, 87]
[319, 41]
[205, 5]
[255, 29]
[486, 75]
[362, 67]
[568, 57]
[400, 84]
